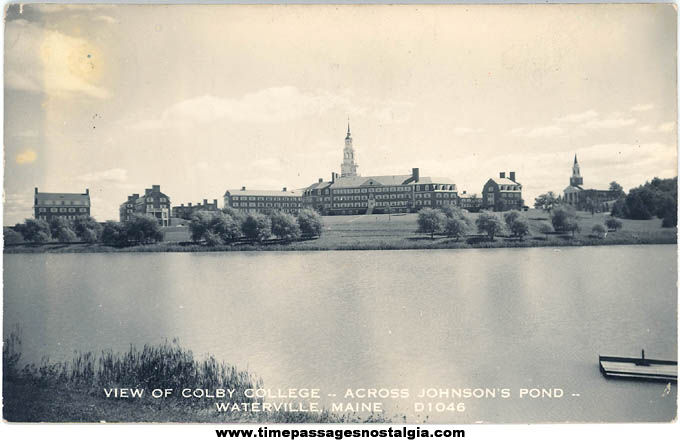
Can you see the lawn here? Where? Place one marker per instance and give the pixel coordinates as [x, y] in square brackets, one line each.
[399, 231]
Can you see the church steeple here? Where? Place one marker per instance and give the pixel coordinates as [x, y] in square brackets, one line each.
[576, 179]
[348, 167]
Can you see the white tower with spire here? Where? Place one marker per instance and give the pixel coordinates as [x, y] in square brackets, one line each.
[348, 168]
[576, 179]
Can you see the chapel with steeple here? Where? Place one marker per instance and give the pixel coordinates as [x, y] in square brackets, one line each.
[348, 168]
[594, 200]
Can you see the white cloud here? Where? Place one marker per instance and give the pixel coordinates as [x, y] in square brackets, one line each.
[578, 117]
[271, 164]
[272, 105]
[18, 206]
[642, 107]
[546, 131]
[114, 175]
[610, 123]
[666, 127]
[39, 60]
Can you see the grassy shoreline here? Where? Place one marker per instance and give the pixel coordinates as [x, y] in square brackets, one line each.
[395, 232]
[73, 391]
[437, 243]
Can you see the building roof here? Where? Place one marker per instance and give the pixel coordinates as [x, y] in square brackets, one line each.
[443, 180]
[257, 192]
[354, 181]
[504, 181]
[317, 185]
[41, 197]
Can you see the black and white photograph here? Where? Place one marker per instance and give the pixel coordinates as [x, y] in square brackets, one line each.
[404, 215]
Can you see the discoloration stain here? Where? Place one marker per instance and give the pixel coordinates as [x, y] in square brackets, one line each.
[26, 156]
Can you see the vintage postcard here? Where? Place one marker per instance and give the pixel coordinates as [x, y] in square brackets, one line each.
[420, 214]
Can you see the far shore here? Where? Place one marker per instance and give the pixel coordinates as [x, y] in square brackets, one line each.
[392, 232]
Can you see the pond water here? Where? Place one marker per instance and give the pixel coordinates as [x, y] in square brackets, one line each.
[474, 318]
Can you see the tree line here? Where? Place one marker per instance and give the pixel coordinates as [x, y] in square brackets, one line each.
[58, 229]
[140, 229]
[230, 225]
[452, 221]
[658, 198]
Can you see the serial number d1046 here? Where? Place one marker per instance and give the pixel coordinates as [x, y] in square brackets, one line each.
[439, 407]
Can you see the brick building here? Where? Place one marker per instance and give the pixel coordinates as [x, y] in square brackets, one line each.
[379, 194]
[263, 200]
[153, 202]
[67, 205]
[503, 193]
[471, 202]
[186, 212]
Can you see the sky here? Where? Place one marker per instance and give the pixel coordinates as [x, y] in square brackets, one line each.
[201, 99]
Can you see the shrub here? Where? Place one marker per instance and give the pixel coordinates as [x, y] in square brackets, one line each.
[546, 201]
[114, 234]
[257, 227]
[200, 225]
[599, 231]
[455, 227]
[61, 229]
[571, 225]
[143, 229]
[489, 224]
[561, 216]
[670, 220]
[285, 226]
[87, 229]
[430, 221]
[613, 224]
[65, 235]
[452, 211]
[545, 228]
[238, 216]
[519, 228]
[11, 236]
[212, 238]
[310, 222]
[34, 231]
[226, 227]
[510, 217]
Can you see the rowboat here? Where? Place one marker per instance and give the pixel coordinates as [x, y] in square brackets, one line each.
[639, 368]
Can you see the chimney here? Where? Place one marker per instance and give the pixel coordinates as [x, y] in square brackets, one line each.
[512, 176]
[464, 192]
[182, 205]
[284, 189]
[333, 175]
[205, 202]
[135, 195]
[243, 188]
[156, 188]
[36, 190]
[320, 179]
[189, 204]
[87, 191]
[416, 174]
[215, 202]
[502, 174]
